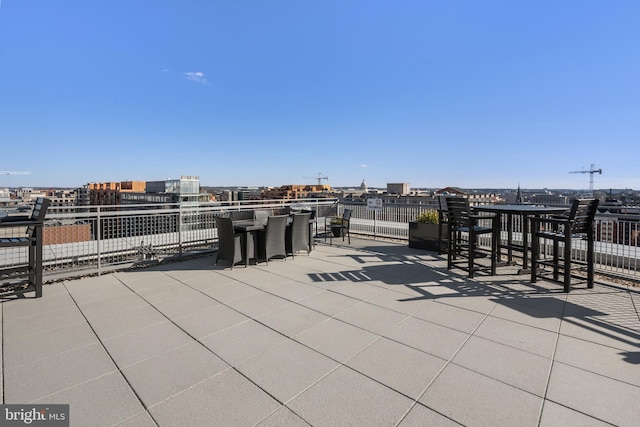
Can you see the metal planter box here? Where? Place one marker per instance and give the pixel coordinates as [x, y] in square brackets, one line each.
[424, 236]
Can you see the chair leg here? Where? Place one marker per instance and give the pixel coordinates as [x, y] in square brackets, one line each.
[494, 252]
[590, 260]
[450, 250]
[472, 252]
[556, 260]
[567, 263]
[535, 250]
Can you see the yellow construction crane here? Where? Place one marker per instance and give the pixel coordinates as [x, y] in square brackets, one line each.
[319, 177]
[591, 171]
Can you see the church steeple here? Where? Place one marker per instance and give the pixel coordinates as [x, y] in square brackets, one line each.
[518, 196]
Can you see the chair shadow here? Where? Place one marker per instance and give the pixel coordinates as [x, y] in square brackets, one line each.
[403, 268]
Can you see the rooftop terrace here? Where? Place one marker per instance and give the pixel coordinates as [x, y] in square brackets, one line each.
[374, 333]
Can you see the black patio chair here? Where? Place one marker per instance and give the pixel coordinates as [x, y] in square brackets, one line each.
[230, 243]
[298, 233]
[342, 224]
[32, 239]
[464, 231]
[563, 230]
[443, 224]
[271, 240]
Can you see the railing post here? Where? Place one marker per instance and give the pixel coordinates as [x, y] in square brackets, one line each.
[375, 227]
[180, 228]
[98, 238]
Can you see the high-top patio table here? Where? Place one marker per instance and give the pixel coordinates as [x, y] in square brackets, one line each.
[524, 211]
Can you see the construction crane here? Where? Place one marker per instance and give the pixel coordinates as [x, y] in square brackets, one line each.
[15, 172]
[591, 171]
[319, 177]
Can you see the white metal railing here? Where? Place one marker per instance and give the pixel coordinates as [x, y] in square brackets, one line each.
[99, 237]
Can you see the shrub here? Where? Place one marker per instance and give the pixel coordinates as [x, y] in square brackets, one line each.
[430, 216]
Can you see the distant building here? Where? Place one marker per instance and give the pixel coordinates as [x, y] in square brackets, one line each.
[108, 193]
[398, 188]
[62, 201]
[550, 200]
[475, 198]
[185, 190]
[296, 191]
[240, 194]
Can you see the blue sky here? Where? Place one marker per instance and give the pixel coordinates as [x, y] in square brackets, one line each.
[433, 93]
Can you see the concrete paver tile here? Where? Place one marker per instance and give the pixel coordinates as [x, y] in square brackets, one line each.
[167, 374]
[336, 339]
[473, 399]
[292, 319]
[212, 319]
[526, 371]
[104, 401]
[33, 381]
[400, 367]
[554, 415]
[141, 344]
[518, 335]
[347, 398]
[595, 395]
[287, 369]
[431, 338]
[222, 400]
[242, 341]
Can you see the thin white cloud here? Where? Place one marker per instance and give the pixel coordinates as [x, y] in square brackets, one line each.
[196, 76]
[364, 166]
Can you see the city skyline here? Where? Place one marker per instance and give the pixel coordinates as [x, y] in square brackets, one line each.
[472, 95]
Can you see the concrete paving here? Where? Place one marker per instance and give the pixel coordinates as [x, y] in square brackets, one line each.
[368, 334]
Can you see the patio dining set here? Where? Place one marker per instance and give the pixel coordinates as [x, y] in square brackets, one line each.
[262, 234]
[552, 231]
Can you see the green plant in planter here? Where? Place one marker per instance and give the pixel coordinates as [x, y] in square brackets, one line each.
[337, 221]
[430, 216]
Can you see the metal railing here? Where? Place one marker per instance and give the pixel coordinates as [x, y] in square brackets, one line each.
[99, 238]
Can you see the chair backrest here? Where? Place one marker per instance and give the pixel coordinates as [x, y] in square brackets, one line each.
[311, 212]
[300, 223]
[582, 214]
[225, 233]
[346, 216]
[239, 215]
[40, 209]
[260, 216]
[458, 210]
[38, 213]
[276, 227]
[443, 210]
